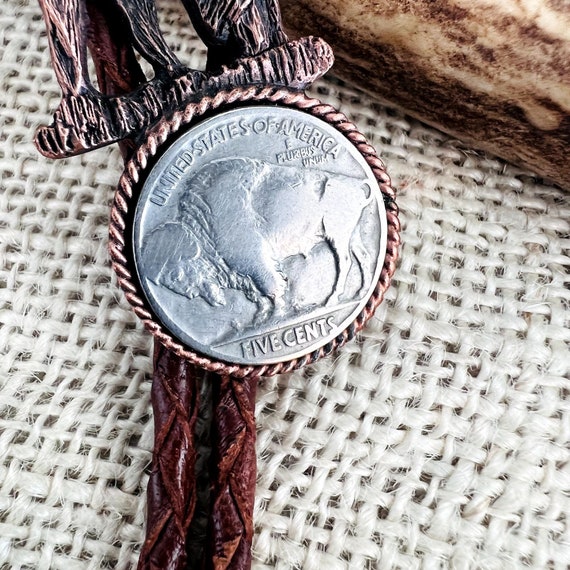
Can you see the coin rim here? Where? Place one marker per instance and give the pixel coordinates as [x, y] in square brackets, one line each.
[158, 139]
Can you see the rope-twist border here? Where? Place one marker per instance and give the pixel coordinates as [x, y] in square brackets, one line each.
[135, 169]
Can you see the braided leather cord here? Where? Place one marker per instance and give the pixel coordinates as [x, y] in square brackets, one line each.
[135, 172]
[171, 493]
[233, 484]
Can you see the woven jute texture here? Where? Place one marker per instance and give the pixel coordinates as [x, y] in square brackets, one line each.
[438, 440]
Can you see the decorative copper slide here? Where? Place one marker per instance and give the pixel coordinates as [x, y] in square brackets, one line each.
[250, 61]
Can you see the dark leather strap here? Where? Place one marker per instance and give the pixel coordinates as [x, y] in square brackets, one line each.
[233, 477]
[171, 494]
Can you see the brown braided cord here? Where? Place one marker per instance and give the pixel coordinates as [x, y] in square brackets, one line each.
[171, 493]
[135, 171]
[230, 530]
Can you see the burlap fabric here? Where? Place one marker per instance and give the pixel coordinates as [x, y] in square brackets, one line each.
[438, 440]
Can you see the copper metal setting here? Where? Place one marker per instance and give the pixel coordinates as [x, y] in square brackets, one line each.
[159, 138]
[250, 61]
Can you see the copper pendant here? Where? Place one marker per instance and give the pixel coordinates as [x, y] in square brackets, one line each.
[265, 236]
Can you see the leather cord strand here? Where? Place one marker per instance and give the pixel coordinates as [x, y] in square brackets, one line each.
[171, 494]
[118, 71]
[233, 482]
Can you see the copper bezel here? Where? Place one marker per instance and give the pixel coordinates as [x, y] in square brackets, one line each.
[159, 138]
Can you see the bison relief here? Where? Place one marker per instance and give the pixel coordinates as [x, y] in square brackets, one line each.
[251, 226]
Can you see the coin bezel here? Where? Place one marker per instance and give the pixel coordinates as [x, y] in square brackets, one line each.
[159, 139]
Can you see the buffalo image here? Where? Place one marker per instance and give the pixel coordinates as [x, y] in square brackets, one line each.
[239, 221]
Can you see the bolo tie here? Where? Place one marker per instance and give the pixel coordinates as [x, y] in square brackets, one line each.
[253, 231]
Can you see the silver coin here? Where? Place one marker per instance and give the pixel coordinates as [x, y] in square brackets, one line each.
[259, 235]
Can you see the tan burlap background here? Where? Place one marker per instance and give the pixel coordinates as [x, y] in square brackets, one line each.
[438, 440]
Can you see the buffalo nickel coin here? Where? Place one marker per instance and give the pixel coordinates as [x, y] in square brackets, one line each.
[259, 235]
